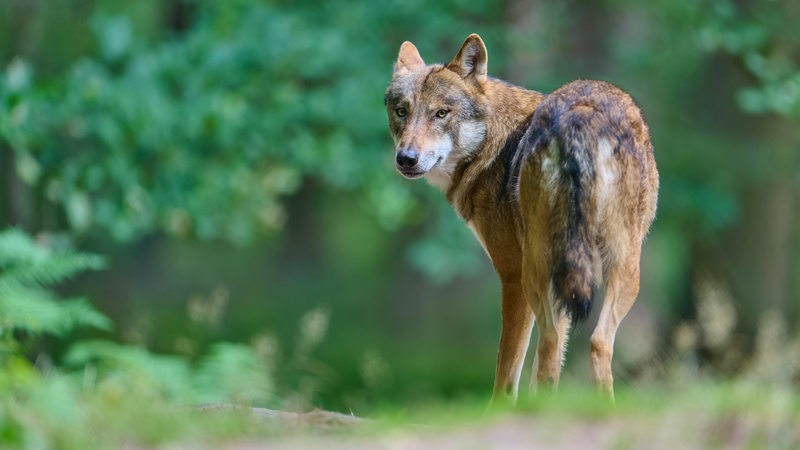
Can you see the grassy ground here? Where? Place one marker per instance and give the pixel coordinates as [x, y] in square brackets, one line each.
[711, 415]
[733, 415]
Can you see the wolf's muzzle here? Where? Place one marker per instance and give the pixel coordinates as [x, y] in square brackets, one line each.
[407, 158]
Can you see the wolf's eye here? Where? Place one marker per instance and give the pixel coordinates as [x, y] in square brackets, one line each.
[401, 112]
[442, 113]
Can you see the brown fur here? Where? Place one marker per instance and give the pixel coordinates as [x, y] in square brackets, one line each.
[560, 190]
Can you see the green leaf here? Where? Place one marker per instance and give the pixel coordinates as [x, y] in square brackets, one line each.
[25, 304]
[38, 312]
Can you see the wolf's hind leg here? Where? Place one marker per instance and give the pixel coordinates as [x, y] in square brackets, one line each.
[553, 330]
[517, 321]
[550, 351]
[622, 287]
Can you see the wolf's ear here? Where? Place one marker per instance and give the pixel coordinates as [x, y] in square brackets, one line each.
[471, 59]
[408, 59]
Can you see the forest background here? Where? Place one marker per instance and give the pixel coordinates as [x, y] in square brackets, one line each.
[230, 162]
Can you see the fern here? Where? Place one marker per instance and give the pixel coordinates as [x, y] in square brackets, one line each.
[36, 311]
[25, 262]
[98, 382]
[136, 367]
[229, 372]
[233, 372]
[26, 304]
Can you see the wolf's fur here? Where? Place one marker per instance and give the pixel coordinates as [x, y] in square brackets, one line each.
[559, 189]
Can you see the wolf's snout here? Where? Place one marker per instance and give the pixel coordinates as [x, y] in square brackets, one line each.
[407, 158]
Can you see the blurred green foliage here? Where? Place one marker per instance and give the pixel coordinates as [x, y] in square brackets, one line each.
[205, 133]
[27, 306]
[54, 407]
[159, 132]
[765, 39]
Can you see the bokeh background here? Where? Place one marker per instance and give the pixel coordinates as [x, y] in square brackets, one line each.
[231, 159]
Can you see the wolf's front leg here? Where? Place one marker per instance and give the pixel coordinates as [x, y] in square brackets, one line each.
[515, 336]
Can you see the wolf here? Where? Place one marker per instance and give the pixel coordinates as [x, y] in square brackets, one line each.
[560, 191]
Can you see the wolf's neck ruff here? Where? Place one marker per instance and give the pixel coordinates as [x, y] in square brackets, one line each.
[508, 112]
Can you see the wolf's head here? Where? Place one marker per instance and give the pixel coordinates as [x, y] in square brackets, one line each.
[437, 113]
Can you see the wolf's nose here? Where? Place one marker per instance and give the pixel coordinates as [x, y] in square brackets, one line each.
[407, 158]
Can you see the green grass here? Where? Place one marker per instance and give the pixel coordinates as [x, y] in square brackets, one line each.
[706, 414]
[52, 413]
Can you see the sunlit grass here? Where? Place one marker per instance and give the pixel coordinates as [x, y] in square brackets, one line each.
[54, 412]
[707, 414]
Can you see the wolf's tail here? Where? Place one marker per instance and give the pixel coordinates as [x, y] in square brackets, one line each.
[575, 253]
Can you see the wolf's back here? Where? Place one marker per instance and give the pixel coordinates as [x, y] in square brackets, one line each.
[575, 133]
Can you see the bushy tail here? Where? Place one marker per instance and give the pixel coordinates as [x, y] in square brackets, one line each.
[575, 249]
